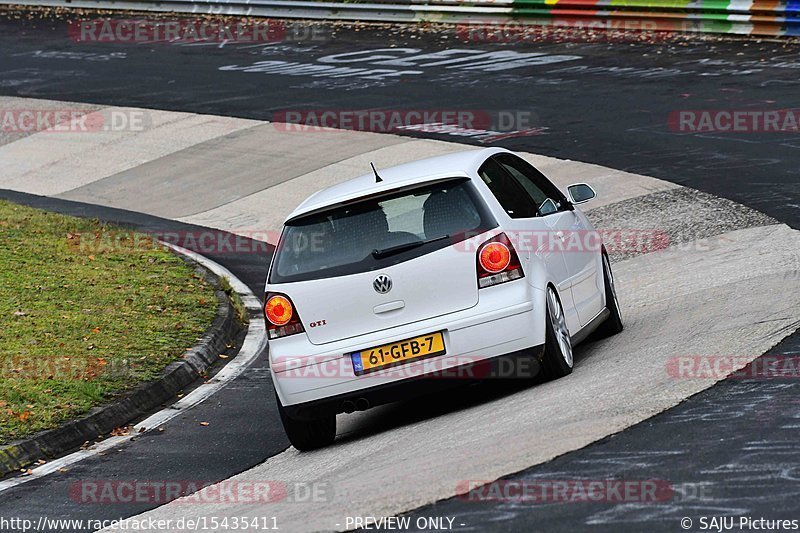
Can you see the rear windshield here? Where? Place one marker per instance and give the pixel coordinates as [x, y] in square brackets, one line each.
[378, 232]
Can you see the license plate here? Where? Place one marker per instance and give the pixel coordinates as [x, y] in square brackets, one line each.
[397, 353]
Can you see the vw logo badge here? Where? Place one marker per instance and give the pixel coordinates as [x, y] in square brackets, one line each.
[382, 284]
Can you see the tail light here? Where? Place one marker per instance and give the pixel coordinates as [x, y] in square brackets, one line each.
[282, 317]
[498, 262]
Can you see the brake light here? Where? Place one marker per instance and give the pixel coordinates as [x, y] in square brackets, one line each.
[495, 257]
[498, 262]
[282, 318]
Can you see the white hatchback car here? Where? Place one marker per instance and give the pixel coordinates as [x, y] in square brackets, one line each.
[383, 286]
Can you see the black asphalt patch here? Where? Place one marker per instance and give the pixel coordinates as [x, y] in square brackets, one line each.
[730, 450]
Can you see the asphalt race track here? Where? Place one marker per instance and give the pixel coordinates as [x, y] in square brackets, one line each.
[727, 450]
[608, 106]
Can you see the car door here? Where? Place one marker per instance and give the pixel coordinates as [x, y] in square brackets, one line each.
[531, 214]
[570, 231]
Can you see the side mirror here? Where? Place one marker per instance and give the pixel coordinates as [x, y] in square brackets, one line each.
[579, 193]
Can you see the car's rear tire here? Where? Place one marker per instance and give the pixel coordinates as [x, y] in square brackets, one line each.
[308, 435]
[557, 360]
[613, 324]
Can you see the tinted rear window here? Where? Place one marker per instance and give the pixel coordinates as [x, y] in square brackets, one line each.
[344, 240]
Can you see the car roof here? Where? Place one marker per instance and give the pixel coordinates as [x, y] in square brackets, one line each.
[458, 164]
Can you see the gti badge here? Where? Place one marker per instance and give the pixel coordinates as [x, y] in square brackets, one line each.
[382, 284]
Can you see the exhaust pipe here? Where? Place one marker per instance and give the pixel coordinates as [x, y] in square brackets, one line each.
[362, 404]
[348, 406]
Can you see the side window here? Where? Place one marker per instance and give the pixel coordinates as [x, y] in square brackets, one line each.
[546, 195]
[510, 193]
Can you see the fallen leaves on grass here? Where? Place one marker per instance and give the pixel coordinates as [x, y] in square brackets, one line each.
[52, 316]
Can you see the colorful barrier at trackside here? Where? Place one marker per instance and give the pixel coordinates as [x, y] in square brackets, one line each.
[757, 17]
[745, 17]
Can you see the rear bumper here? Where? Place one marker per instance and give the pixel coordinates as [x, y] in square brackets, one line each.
[329, 381]
[527, 362]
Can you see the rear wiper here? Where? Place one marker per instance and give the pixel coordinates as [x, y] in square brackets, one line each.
[378, 254]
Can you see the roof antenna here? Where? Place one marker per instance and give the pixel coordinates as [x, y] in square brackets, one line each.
[377, 178]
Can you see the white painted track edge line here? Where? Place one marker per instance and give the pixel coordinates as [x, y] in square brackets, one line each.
[253, 344]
